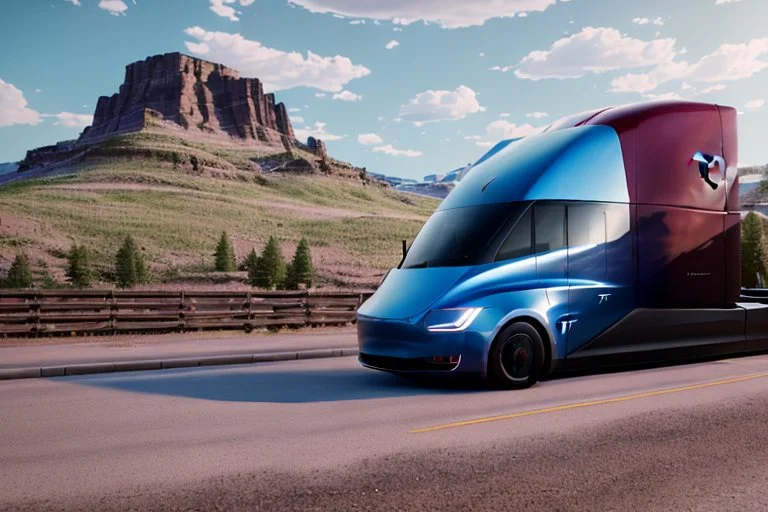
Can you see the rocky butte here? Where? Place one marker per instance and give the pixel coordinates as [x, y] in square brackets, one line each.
[196, 95]
[192, 97]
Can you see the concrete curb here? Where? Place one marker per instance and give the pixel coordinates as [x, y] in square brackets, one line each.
[158, 364]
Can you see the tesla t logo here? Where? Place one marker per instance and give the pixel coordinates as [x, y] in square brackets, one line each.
[604, 297]
[707, 162]
[566, 326]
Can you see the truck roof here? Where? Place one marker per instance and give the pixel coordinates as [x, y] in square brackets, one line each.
[633, 153]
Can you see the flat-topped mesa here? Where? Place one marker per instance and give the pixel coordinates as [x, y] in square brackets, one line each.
[194, 94]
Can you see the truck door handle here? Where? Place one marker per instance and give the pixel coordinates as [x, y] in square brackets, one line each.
[707, 162]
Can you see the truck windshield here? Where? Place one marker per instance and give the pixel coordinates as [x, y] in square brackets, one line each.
[459, 236]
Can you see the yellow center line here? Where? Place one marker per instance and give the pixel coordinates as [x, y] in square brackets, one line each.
[591, 403]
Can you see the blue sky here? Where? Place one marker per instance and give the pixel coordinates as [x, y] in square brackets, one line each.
[458, 77]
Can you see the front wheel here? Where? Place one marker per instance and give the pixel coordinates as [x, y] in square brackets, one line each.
[516, 357]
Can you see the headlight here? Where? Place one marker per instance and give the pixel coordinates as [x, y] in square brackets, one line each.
[451, 320]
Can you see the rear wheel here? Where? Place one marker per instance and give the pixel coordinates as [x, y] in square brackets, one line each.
[516, 357]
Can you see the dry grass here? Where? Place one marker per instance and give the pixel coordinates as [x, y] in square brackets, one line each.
[177, 216]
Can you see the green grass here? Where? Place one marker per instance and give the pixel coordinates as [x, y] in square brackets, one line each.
[177, 217]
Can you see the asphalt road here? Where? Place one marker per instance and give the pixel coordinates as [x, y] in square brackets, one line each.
[328, 435]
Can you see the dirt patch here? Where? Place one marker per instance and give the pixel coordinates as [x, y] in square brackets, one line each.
[18, 232]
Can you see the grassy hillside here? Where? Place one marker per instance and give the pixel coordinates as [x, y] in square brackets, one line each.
[144, 185]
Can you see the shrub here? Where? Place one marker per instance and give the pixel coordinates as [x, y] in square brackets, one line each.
[20, 274]
[270, 269]
[301, 269]
[79, 268]
[225, 254]
[130, 267]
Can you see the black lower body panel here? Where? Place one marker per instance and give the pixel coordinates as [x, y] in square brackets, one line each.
[654, 335]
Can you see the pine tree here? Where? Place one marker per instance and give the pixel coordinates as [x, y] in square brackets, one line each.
[250, 263]
[225, 254]
[20, 274]
[130, 267]
[752, 254]
[270, 270]
[79, 269]
[301, 269]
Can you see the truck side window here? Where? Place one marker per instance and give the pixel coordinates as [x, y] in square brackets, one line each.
[586, 225]
[549, 230]
[519, 242]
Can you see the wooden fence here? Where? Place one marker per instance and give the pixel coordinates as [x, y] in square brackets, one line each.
[49, 312]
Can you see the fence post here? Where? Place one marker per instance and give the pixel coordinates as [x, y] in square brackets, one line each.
[182, 311]
[112, 311]
[248, 327]
[307, 309]
[37, 306]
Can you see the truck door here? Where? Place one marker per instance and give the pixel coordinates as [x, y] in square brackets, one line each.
[549, 235]
[600, 270]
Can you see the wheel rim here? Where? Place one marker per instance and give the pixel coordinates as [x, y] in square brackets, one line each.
[517, 356]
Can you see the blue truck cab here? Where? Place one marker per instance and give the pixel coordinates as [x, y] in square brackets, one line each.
[601, 240]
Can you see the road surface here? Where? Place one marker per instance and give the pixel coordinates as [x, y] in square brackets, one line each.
[328, 435]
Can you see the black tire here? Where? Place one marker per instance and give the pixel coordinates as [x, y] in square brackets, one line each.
[516, 358]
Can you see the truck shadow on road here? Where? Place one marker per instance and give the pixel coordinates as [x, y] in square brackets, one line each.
[275, 386]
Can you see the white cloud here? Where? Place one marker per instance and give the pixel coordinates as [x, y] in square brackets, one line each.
[754, 104]
[593, 50]
[723, 2]
[505, 130]
[71, 120]
[276, 68]
[473, 137]
[13, 107]
[317, 131]
[297, 119]
[481, 54]
[645, 21]
[347, 96]
[369, 139]
[294, 109]
[446, 13]
[484, 144]
[393, 43]
[397, 29]
[389, 150]
[319, 95]
[74, 2]
[537, 115]
[431, 106]
[505, 114]
[224, 8]
[727, 63]
[357, 22]
[714, 88]
[114, 7]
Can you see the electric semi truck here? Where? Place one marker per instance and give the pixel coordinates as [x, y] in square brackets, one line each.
[611, 237]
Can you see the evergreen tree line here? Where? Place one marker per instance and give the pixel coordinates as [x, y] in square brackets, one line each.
[266, 270]
[754, 248]
[269, 270]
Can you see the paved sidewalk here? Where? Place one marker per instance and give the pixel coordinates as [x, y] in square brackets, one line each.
[183, 349]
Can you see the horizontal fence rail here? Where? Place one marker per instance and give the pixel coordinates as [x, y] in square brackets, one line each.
[50, 312]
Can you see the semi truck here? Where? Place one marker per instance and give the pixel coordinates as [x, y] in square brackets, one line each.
[611, 237]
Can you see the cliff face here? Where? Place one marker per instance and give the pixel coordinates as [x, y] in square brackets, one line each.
[194, 94]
